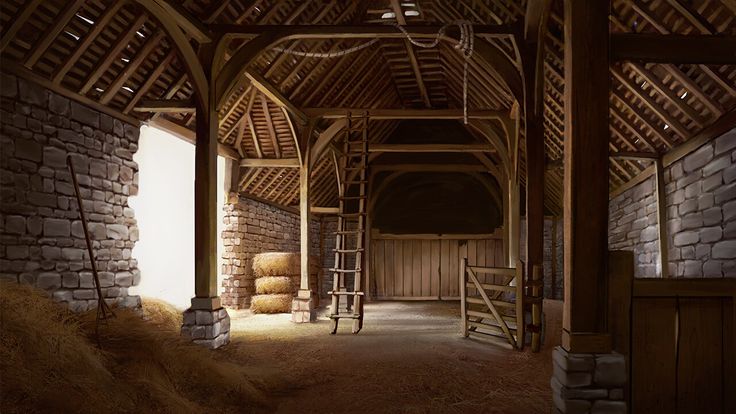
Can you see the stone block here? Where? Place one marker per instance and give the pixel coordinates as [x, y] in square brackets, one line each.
[724, 250]
[572, 379]
[698, 159]
[608, 407]
[610, 370]
[577, 393]
[712, 268]
[705, 201]
[729, 211]
[726, 142]
[687, 206]
[62, 296]
[56, 227]
[124, 279]
[32, 93]
[692, 268]
[725, 193]
[16, 252]
[48, 280]
[571, 406]
[107, 279]
[616, 394]
[15, 224]
[717, 165]
[117, 232]
[649, 234]
[205, 317]
[686, 238]
[729, 174]
[8, 85]
[710, 234]
[54, 157]
[28, 149]
[712, 216]
[85, 115]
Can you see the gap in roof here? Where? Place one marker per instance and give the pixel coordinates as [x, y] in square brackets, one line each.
[85, 19]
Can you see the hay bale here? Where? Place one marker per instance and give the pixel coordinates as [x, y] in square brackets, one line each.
[278, 303]
[274, 284]
[276, 264]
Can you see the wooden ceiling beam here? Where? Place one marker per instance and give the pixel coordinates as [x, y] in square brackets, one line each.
[270, 162]
[431, 148]
[672, 48]
[151, 78]
[88, 39]
[166, 106]
[389, 114]
[131, 67]
[321, 31]
[271, 129]
[190, 24]
[399, 14]
[633, 155]
[17, 23]
[104, 63]
[60, 21]
[274, 94]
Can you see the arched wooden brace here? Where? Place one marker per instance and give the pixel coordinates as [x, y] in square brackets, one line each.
[192, 65]
[325, 138]
[495, 140]
[231, 71]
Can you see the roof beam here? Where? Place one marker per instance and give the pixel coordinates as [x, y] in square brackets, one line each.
[189, 136]
[274, 94]
[18, 21]
[50, 34]
[165, 105]
[270, 162]
[431, 148]
[190, 24]
[429, 168]
[708, 49]
[633, 155]
[271, 129]
[320, 31]
[390, 114]
[396, 6]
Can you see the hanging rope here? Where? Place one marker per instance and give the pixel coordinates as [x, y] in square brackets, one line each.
[464, 45]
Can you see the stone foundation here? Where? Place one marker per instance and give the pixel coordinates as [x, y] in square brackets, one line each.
[303, 309]
[588, 383]
[209, 328]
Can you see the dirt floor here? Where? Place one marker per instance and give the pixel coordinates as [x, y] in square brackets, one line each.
[409, 358]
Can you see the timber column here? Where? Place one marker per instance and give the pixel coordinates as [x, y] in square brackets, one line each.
[206, 322]
[588, 376]
[303, 305]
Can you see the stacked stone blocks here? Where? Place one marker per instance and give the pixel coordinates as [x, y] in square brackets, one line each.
[209, 328]
[42, 237]
[588, 383]
[701, 215]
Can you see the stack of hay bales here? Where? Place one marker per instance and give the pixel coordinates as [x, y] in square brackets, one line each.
[277, 281]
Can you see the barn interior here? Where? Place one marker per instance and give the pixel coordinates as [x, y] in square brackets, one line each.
[512, 206]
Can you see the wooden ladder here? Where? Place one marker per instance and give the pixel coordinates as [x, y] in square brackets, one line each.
[350, 235]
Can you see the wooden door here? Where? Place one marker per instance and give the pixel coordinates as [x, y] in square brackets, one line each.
[420, 267]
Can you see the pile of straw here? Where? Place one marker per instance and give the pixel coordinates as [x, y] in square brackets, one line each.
[274, 284]
[276, 264]
[50, 362]
[274, 303]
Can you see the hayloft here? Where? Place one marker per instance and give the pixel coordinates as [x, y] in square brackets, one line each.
[544, 189]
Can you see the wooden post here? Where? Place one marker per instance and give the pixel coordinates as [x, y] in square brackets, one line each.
[463, 294]
[553, 272]
[586, 176]
[662, 221]
[514, 222]
[304, 211]
[520, 317]
[205, 203]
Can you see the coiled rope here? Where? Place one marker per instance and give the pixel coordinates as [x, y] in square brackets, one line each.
[464, 46]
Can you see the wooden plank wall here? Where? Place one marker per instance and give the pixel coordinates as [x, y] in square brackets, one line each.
[697, 376]
[426, 269]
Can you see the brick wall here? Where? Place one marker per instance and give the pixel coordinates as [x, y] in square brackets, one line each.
[701, 215]
[253, 227]
[42, 238]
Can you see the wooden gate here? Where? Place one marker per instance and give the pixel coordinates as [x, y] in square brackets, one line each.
[491, 302]
[426, 267]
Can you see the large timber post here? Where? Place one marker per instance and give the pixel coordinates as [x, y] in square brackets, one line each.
[585, 363]
[206, 322]
[303, 305]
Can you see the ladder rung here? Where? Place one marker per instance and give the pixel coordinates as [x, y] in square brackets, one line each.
[348, 250]
[351, 214]
[349, 231]
[346, 293]
[346, 270]
[356, 182]
[353, 197]
[350, 316]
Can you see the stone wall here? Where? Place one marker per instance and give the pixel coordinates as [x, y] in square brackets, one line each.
[253, 227]
[552, 231]
[42, 238]
[701, 215]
